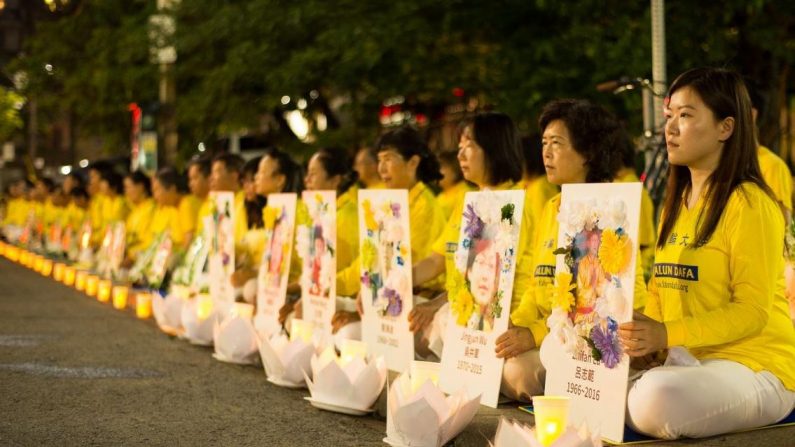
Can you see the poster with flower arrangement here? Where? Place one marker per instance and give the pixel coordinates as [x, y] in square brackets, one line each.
[593, 293]
[222, 246]
[479, 292]
[279, 220]
[385, 257]
[316, 245]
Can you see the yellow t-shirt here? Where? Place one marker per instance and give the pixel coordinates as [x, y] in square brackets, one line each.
[189, 208]
[51, 213]
[73, 216]
[426, 223]
[165, 218]
[449, 198]
[95, 207]
[725, 299]
[205, 212]
[114, 209]
[535, 306]
[647, 233]
[347, 227]
[16, 212]
[777, 176]
[137, 225]
[241, 219]
[539, 191]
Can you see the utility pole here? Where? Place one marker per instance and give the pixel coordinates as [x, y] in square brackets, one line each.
[164, 53]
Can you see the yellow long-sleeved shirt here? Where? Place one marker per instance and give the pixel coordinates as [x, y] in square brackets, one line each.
[73, 216]
[95, 207]
[776, 175]
[51, 213]
[205, 212]
[189, 208]
[539, 190]
[647, 233]
[16, 212]
[450, 198]
[347, 221]
[241, 219]
[535, 306]
[426, 223]
[137, 225]
[725, 299]
[447, 244]
[165, 218]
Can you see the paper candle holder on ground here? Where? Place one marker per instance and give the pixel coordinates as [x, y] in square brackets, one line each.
[426, 417]
[347, 384]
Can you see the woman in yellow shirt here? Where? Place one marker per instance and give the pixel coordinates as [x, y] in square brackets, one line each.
[580, 145]
[491, 157]
[717, 291]
[404, 162]
[138, 191]
[330, 169]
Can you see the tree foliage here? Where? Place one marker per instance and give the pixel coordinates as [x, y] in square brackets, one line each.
[237, 59]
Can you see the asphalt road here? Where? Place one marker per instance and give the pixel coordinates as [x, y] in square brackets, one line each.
[74, 371]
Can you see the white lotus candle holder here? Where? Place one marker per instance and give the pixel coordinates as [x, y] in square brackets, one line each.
[426, 417]
[512, 433]
[199, 317]
[286, 360]
[168, 312]
[348, 384]
[235, 338]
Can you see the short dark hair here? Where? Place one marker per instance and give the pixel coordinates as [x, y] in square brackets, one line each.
[289, 168]
[202, 163]
[114, 180]
[77, 178]
[231, 162]
[496, 133]
[79, 192]
[408, 143]
[139, 178]
[595, 133]
[250, 168]
[450, 158]
[169, 177]
[336, 162]
[48, 183]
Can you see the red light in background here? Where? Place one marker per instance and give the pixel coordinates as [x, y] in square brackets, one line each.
[458, 92]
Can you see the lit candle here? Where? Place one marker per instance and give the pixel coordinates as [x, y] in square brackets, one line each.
[92, 285]
[12, 253]
[244, 310]
[119, 299]
[23, 257]
[551, 414]
[119, 294]
[301, 330]
[143, 305]
[69, 274]
[103, 293]
[80, 280]
[58, 271]
[204, 307]
[46, 267]
[422, 372]
[38, 262]
[2, 249]
[352, 349]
